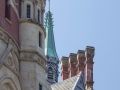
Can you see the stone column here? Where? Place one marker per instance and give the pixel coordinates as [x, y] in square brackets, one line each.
[42, 16]
[73, 64]
[64, 68]
[35, 16]
[22, 9]
[89, 54]
[81, 60]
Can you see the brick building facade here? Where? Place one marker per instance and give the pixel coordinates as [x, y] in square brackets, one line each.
[22, 56]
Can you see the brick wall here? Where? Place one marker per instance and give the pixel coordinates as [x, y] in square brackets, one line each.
[75, 63]
[13, 27]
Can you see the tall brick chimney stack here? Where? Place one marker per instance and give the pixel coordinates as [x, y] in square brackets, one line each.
[64, 68]
[72, 64]
[81, 60]
[89, 54]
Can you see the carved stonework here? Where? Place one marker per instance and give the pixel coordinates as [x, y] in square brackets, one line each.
[33, 57]
[9, 61]
[4, 37]
[28, 56]
[12, 62]
[9, 41]
[6, 52]
[41, 61]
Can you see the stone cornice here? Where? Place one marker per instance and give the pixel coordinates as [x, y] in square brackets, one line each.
[31, 60]
[33, 52]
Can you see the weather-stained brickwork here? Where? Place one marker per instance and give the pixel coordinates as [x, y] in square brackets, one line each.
[10, 25]
[80, 62]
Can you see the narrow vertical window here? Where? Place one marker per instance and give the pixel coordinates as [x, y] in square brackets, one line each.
[39, 16]
[40, 39]
[7, 12]
[40, 87]
[50, 73]
[42, 16]
[28, 11]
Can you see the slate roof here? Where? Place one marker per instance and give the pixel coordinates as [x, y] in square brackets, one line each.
[67, 84]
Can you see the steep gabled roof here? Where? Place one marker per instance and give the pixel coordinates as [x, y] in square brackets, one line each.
[73, 83]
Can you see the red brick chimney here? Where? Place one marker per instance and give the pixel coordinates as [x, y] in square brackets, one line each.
[81, 60]
[89, 54]
[73, 64]
[64, 68]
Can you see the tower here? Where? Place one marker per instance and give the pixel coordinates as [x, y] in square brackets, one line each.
[32, 35]
[50, 50]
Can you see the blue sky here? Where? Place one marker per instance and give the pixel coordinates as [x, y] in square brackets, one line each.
[81, 23]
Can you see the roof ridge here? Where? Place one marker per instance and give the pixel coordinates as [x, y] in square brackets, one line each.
[68, 78]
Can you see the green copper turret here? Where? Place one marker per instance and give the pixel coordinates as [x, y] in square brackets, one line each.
[50, 49]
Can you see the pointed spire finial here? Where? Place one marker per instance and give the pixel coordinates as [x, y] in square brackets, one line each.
[49, 5]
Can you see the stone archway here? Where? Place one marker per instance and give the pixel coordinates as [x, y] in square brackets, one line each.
[7, 86]
[7, 83]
